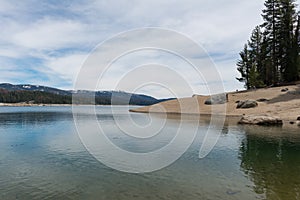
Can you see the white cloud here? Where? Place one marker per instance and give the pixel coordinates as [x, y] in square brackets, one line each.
[67, 67]
[50, 34]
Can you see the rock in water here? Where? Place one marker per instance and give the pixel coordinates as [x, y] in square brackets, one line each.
[247, 104]
[261, 120]
[217, 99]
[298, 118]
[285, 90]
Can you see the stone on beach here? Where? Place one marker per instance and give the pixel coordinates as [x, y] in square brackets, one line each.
[261, 120]
[247, 104]
[217, 99]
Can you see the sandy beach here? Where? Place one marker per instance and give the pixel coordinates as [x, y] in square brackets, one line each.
[285, 105]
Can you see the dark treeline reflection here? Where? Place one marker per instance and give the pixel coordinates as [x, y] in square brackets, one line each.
[40, 118]
[31, 118]
[272, 163]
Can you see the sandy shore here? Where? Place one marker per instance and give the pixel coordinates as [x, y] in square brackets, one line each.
[285, 105]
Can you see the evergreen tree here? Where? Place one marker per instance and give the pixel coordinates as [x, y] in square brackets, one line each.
[244, 66]
[296, 47]
[254, 78]
[287, 48]
[256, 56]
[271, 56]
[266, 72]
[271, 16]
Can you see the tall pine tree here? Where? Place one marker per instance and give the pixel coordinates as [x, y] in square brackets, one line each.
[271, 26]
[257, 57]
[296, 45]
[271, 56]
[244, 66]
[287, 49]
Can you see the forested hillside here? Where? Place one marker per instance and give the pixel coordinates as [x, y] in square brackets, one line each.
[10, 93]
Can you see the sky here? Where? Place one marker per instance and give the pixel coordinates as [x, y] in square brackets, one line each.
[47, 42]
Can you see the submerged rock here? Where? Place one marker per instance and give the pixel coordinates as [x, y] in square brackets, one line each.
[232, 192]
[247, 104]
[261, 120]
[298, 118]
[217, 99]
[285, 90]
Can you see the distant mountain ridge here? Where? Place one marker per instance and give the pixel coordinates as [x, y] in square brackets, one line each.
[28, 87]
[10, 93]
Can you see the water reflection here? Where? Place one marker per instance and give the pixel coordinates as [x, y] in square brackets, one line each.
[33, 118]
[41, 157]
[272, 162]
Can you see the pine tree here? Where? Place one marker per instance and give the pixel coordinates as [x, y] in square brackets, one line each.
[244, 66]
[296, 44]
[287, 48]
[254, 78]
[267, 68]
[272, 55]
[271, 16]
[256, 55]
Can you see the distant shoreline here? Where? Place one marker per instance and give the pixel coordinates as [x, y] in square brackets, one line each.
[50, 105]
[30, 105]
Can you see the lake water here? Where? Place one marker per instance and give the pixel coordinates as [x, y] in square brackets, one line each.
[42, 157]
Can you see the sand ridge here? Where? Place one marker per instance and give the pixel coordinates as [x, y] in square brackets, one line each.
[285, 105]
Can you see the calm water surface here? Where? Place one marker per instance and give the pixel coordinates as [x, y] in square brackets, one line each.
[41, 157]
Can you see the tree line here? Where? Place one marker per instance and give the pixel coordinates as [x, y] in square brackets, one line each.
[39, 97]
[33, 97]
[271, 55]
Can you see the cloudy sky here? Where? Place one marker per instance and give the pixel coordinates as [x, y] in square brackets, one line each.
[47, 42]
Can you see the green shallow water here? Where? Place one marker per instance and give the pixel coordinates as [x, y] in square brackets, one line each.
[42, 157]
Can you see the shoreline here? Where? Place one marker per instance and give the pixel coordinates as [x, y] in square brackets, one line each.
[229, 120]
[284, 105]
[49, 105]
[30, 105]
[278, 103]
